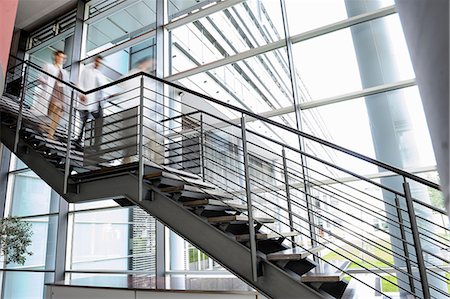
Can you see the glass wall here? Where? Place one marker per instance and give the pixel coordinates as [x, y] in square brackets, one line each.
[119, 239]
[33, 201]
[110, 23]
[238, 55]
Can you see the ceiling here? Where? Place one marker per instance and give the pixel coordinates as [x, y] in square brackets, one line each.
[32, 13]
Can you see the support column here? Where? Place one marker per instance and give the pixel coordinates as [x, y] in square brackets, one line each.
[177, 260]
[77, 41]
[5, 156]
[391, 124]
[426, 28]
[160, 255]
[161, 70]
[61, 235]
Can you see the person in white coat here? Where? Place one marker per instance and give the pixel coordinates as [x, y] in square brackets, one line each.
[92, 104]
[153, 149]
[52, 97]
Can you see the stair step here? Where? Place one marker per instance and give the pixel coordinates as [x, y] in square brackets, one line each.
[293, 254]
[192, 192]
[364, 288]
[171, 179]
[324, 272]
[159, 168]
[216, 203]
[266, 236]
[238, 218]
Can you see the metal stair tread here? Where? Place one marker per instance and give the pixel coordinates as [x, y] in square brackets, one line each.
[296, 253]
[158, 168]
[265, 236]
[215, 202]
[238, 218]
[195, 192]
[324, 272]
[168, 178]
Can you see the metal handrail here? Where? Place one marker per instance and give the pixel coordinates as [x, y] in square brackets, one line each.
[256, 116]
[405, 194]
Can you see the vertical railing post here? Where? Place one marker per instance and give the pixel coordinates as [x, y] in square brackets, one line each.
[68, 145]
[308, 200]
[405, 244]
[416, 238]
[202, 150]
[22, 100]
[141, 140]
[251, 223]
[288, 193]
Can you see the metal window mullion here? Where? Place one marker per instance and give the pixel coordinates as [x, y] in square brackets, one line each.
[298, 119]
[161, 55]
[141, 140]
[77, 41]
[288, 193]
[68, 145]
[202, 147]
[251, 227]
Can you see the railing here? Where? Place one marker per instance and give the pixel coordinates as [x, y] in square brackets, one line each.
[386, 227]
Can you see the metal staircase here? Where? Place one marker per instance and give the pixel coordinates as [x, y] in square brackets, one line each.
[291, 221]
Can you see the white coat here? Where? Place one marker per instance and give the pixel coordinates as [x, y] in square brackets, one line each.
[91, 78]
[45, 88]
[130, 98]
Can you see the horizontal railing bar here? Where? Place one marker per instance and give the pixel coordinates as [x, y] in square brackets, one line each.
[358, 219]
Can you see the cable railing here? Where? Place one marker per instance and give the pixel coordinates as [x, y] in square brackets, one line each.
[146, 120]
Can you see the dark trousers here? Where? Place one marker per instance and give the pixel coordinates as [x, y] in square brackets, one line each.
[98, 125]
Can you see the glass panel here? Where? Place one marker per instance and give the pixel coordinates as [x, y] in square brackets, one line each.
[257, 84]
[43, 244]
[304, 15]
[225, 33]
[19, 164]
[119, 26]
[201, 282]
[119, 239]
[113, 280]
[126, 61]
[180, 7]
[45, 55]
[23, 285]
[329, 65]
[32, 196]
[348, 124]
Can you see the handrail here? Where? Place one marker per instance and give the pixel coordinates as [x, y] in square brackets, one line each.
[269, 185]
[303, 134]
[34, 65]
[256, 116]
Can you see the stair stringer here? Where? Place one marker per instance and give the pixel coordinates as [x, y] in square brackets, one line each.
[234, 256]
[274, 283]
[34, 160]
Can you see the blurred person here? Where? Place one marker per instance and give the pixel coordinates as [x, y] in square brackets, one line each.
[129, 98]
[91, 105]
[52, 97]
